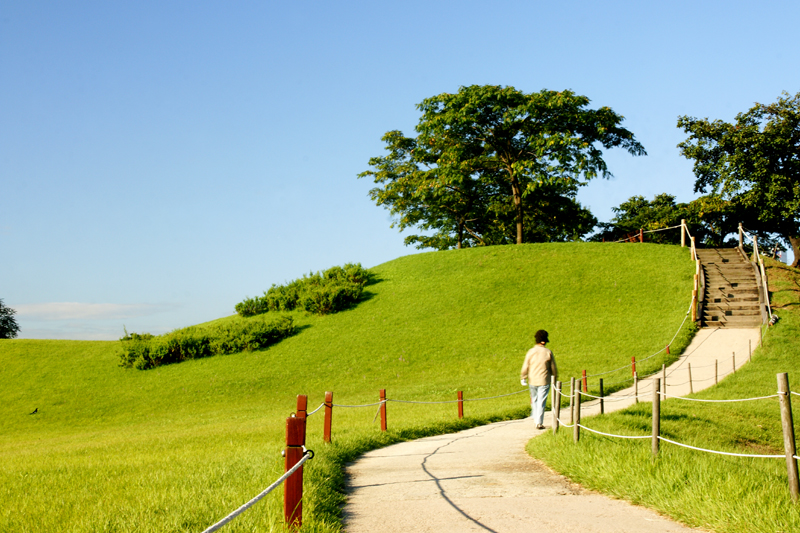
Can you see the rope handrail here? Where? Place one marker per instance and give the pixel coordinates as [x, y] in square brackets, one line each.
[315, 410]
[425, 403]
[720, 401]
[561, 422]
[361, 405]
[609, 398]
[611, 435]
[754, 456]
[306, 456]
[627, 239]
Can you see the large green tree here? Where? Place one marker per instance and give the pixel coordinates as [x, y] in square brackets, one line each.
[498, 159]
[754, 163]
[8, 325]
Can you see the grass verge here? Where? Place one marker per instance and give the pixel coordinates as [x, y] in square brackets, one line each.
[178, 447]
[724, 494]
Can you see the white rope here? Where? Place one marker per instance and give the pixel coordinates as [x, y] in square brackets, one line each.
[306, 456]
[795, 393]
[315, 410]
[362, 405]
[608, 398]
[565, 424]
[427, 403]
[493, 397]
[722, 453]
[721, 401]
[617, 436]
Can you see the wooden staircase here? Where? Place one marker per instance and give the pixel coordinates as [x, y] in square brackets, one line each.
[731, 291]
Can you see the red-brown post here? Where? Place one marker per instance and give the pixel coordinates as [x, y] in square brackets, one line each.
[293, 486]
[302, 410]
[460, 404]
[633, 365]
[585, 387]
[641, 235]
[326, 431]
[667, 349]
[383, 409]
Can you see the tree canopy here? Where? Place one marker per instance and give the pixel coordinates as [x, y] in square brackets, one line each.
[708, 218]
[492, 165]
[754, 164]
[8, 325]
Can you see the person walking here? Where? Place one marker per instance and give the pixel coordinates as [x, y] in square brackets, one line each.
[538, 367]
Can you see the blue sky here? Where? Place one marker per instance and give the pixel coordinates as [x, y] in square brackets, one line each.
[160, 161]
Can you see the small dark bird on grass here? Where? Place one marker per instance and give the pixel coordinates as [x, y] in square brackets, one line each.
[35, 411]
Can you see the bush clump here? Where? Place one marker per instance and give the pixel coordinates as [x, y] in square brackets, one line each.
[319, 293]
[145, 351]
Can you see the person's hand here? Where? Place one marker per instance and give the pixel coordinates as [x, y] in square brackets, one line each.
[523, 382]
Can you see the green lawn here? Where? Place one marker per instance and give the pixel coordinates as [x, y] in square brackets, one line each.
[178, 447]
[724, 494]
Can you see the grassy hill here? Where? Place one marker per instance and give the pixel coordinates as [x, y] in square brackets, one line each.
[178, 447]
[720, 493]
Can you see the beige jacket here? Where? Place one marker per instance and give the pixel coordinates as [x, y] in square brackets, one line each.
[539, 365]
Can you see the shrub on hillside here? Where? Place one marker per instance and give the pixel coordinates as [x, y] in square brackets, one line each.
[322, 293]
[145, 351]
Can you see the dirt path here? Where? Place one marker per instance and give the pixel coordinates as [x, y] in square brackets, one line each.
[458, 482]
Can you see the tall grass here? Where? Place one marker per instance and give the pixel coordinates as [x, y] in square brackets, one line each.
[724, 494]
[179, 446]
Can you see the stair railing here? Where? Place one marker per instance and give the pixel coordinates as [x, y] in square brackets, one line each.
[761, 274]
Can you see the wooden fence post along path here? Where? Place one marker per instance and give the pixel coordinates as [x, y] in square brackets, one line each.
[788, 434]
[326, 431]
[293, 486]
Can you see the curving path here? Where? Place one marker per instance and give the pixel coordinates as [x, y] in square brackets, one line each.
[459, 482]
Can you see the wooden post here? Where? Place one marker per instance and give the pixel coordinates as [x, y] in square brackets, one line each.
[326, 430]
[656, 415]
[571, 400]
[633, 365]
[556, 408]
[694, 304]
[694, 251]
[302, 409]
[716, 372]
[749, 349]
[576, 433]
[667, 349]
[636, 387]
[664, 378]
[293, 486]
[741, 235]
[691, 385]
[733, 361]
[641, 235]
[460, 404]
[683, 233]
[784, 394]
[383, 409]
[585, 383]
[602, 407]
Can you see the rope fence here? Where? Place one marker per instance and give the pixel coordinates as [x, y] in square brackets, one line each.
[308, 454]
[659, 394]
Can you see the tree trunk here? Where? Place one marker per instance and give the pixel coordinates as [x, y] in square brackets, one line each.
[795, 242]
[517, 193]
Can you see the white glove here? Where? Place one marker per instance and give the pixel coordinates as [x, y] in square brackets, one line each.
[523, 382]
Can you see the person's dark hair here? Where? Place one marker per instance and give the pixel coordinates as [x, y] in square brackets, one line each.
[541, 336]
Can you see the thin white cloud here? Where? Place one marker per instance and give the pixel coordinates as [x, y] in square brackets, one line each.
[84, 311]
